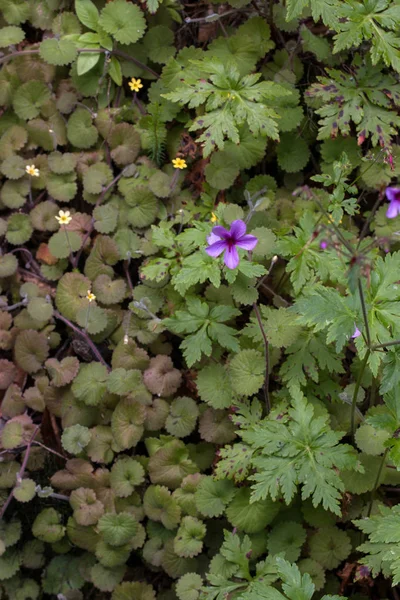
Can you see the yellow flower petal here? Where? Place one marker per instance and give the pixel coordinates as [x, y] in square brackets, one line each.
[179, 163]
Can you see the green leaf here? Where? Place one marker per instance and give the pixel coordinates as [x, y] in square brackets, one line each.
[80, 130]
[58, 52]
[29, 98]
[115, 70]
[248, 516]
[247, 371]
[220, 173]
[214, 387]
[87, 13]
[63, 243]
[287, 538]
[89, 385]
[40, 309]
[124, 21]
[117, 529]
[15, 11]
[75, 438]
[87, 61]
[11, 35]
[182, 417]
[47, 526]
[330, 546]
[188, 541]
[212, 496]
[25, 491]
[31, 350]
[293, 153]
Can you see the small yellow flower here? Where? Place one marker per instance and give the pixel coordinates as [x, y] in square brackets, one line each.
[179, 163]
[135, 84]
[32, 170]
[64, 217]
[90, 296]
[214, 218]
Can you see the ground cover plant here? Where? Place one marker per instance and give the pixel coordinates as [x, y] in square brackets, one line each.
[199, 300]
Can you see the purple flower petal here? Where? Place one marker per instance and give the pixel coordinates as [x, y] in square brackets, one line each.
[217, 248]
[212, 238]
[392, 193]
[248, 242]
[221, 232]
[356, 333]
[393, 209]
[231, 257]
[238, 229]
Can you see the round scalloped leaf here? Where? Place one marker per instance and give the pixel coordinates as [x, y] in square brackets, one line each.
[221, 172]
[175, 566]
[213, 496]
[160, 184]
[314, 570]
[25, 491]
[129, 590]
[19, 229]
[266, 246]
[158, 43]
[292, 153]
[160, 506]
[63, 243]
[127, 423]
[96, 178]
[11, 35]
[47, 526]
[71, 294]
[66, 23]
[87, 508]
[10, 532]
[12, 140]
[80, 130]
[215, 426]
[124, 21]
[182, 417]
[13, 167]
[43, 216]
[287, 537]
[143, 207]
[29, 98]
[31, 350]
[112, 556]
[109, 291]
[62, 372]
[247, 372]
[105, 579]
[170, 464]
[12, 435]
[129, 356]
[8, 372]
[62, 187]
[8, 265]
[8, 472]
[100, 447]
[251, 517]
[126, 474]
[189, 586]
[10, 563]
[90, 384]
[214, 387]
[124, 143]
[61, 163]
[58, 52]
[92, 318]
[40, 309]
[75, 438]
[188, 541]
[329, 547]
[371, 440]
[123, 382]
[359, 483]
[161, 378]
[106, 218]
[317, 516]
[117, 529]
[13, 193]
[32, 554]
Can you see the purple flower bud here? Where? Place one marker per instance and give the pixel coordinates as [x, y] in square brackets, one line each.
[356, 333]
[323, 245]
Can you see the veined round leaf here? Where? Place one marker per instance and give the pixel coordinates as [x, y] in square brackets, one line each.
[108, 291]
[12, 435]
[216, 427]
[221, 172]
[25, 491]
[105, 579]
[13, 167]
[133, 589]
[47, 526]
[213, 496]
[75, 438]
[8, 372]
[143, 205]
[62, 372]
[247, 371]
[15, 11]
[371, 440]
[93, 318]
[330, 546]
[160, 506]
[96, 178]
[213, 385]
[80, 130]
[31, 350]
[29, 98]
[10, 563]
[66, 23]
[313, 568]
[292, 153]
[43, 216]
[188, 541]
[40, 309]
[14, 193]
[58, 52]
[126, 474]
[112, 556]
[62, 187]
[10, 532]
[124, 21]
[61, 163]
[250, 517]
[160, 184]
[100, 447]
[62, 243]
[189, 587]
[86, 61]
[158, 42]
[182, 417]
[287, 537]
[124, 141]
[19, 229]
[71, 294]
[127, 423]
[11, 35]
[117, 529]
[123, 382]
[8, 265]
[89, 385]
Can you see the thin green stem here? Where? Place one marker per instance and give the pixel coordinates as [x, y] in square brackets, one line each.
[378, 476]
[266, 346]
[364, 312]
[356, 389]
[385, 344]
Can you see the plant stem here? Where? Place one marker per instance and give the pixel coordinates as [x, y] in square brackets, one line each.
[71, 256]
[85, 336]
[364, 312]
[358, 384]
[378, 476]
[266, 346]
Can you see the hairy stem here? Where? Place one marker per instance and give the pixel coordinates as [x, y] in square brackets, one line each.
[358, 384]
[378, 476]
[364, 312]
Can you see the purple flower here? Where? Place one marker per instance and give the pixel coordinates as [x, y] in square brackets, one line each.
[221, 240]
[323, 245]
[393, 195]
[356, 333]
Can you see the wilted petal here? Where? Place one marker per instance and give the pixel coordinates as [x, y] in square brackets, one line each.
[393, 209]
[238, 229]
[231, 258]
[217, 248]
[248, 242]
[220, 232]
